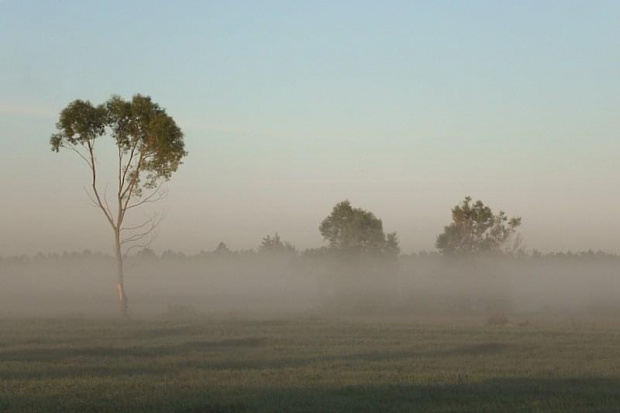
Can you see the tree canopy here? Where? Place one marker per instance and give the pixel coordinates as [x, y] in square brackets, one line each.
[150, 144]
[349, 229]
[475, 229]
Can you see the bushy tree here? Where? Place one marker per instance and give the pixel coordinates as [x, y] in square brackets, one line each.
[150, 148]
[354, 230]
[476, 229]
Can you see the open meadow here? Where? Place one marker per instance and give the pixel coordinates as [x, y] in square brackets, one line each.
[307, 365]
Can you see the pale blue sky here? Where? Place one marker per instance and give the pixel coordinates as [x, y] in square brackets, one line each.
[288, 107]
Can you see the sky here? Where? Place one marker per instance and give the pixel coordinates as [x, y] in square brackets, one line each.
[288, 107]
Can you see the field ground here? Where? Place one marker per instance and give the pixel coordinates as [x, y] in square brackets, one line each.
[305, 365]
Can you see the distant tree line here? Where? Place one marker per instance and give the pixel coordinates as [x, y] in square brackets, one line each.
[148, 253]
[349, 231]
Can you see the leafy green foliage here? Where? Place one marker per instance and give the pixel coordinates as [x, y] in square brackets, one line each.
[150, 143]
[475, 229]
[349, 229]
[80, 124]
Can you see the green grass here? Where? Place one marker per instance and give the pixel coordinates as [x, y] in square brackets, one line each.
[304, 366]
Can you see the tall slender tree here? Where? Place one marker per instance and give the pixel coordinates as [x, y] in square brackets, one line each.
[149, 147]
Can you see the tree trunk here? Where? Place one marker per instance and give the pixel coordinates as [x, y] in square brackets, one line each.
[120, 287]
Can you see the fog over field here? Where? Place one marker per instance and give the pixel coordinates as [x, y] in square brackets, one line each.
[261, 285]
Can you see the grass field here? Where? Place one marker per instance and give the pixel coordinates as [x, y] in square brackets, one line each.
[305, 365]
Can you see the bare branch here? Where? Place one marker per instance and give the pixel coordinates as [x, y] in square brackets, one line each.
[144, 224]
[120, 167]
[126, 169]
[94, 184]
[140, 236]
[126, 194]
[151, 226]
[105, 200]
[136, 246]
[90, 197]
[157, 195]
[74, 149]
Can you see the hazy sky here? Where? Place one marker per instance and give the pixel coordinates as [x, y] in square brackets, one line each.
[288, 107]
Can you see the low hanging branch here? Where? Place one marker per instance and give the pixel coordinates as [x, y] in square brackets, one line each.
[150, 148]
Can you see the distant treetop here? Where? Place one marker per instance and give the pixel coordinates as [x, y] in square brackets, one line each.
[349, 229]
[475, 229]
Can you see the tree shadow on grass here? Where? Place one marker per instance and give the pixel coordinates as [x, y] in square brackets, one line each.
[95, 361]
[375, 356]
[54, 354]
[493, 395]
[508, 394]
